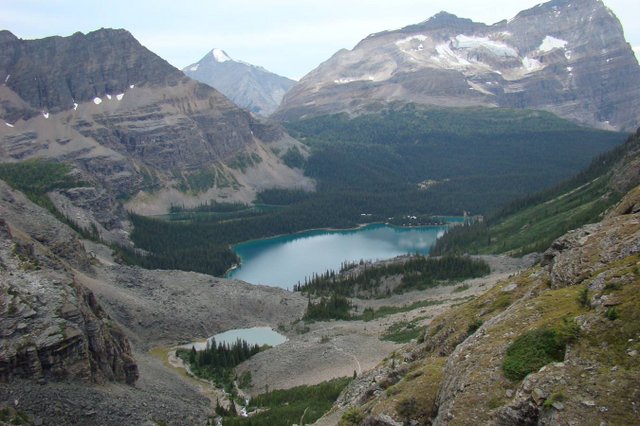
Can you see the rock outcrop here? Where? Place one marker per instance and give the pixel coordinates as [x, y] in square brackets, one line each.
[53, 328]
[567, 57]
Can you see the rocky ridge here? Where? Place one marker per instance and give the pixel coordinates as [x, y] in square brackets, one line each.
[567, 57]
[133, 125]
[248, 86]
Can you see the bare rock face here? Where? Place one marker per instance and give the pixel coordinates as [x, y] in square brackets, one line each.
[53, 328]
[567, 57]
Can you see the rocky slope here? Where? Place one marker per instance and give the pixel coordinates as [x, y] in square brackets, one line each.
[567, 57]
[249, 86]
[132, 124]
[585, 292]
[77, 329]
[52, 327]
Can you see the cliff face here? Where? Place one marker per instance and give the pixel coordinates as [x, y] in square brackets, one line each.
[131, 123]
[585, 293]
[566, 57]
[52, 327]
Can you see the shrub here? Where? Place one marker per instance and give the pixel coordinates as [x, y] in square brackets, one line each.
[583, 297]
[534, 349]
[352, 417]
[476, 324]
[612, 314]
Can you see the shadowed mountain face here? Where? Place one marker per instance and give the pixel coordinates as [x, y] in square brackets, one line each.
[132, 123]
[249, 86]
[566, 57]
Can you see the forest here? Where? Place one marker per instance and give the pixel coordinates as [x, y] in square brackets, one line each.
[530, 224]
[417, 272]
[410, 161]
[217, 360]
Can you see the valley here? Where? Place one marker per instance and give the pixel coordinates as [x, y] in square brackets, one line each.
[442, 224]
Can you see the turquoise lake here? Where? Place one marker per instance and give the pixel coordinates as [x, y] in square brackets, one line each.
[253, 336]
[286, 260]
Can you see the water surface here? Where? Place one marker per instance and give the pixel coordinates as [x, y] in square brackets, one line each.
[286, 260]
[253, 336]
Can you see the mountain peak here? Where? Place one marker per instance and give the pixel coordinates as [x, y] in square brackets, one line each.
[220, 55]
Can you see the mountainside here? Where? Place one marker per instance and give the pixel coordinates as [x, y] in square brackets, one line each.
[555, 344]
[249, 86]
[133, 124]
[567, 57]
[530, 224]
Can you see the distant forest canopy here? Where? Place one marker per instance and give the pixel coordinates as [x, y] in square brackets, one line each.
[532, 223]
[408, 161]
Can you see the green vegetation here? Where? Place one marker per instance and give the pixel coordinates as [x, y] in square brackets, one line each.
[532, 223]
[11, 416]
[537, 348]
[216, 361]
[403, 332]
[352, 417]
[299, 405]
[612, 314]
[583, 297]
[369, 314]
[418, 273]
[333, 307]
[293, 158]
[36, 177]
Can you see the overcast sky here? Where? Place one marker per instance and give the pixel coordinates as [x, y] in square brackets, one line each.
[288, 37]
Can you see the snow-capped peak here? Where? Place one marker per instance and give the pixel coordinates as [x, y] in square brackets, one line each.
[220, 56]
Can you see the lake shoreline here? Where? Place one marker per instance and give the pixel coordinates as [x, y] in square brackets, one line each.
[373, 241]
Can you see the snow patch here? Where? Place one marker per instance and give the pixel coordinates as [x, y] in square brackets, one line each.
[9, 125]
[194, 68]
[498, 48]
[45, 115]
[120, 96]
[347, 80]
[97, 101]
[549, 43]
[567, 54]
[409, 39]
[131, 86]
[220, 56]
[7, 78]
[531, 64]
[569, 69]
[109, 97]
[449, 57]
[75, 106]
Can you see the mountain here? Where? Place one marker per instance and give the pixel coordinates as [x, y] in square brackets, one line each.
[567, 57]
[134, 127]
[553, 344]
[249, 86]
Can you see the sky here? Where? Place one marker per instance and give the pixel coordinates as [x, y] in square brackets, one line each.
[288, 37]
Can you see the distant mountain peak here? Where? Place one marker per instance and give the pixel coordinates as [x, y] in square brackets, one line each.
[568, 57]
[220, 55]
[249, 86]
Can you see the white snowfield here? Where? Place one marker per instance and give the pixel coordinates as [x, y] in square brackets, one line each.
[220, 56]
[549, 43]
